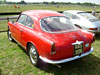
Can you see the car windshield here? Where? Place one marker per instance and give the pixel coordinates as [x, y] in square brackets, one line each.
[57, 24]
[87, 15]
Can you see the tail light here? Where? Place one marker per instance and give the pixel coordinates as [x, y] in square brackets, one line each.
[93, 38]
[93, 28]
[53, 49]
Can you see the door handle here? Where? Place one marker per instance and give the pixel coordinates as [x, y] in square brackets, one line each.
[21, 30]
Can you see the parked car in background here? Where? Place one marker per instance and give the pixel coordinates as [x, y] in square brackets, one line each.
[50, 36]
[83, 20]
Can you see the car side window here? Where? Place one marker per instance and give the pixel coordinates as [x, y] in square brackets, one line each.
[69, 15]
[29, 22]
[75, 17]
[22, 19]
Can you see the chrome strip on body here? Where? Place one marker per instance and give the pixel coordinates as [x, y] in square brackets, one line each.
[19, 43]
[94, 31]
[66, 60]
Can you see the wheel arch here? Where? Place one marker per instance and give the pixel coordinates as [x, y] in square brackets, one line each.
[30, 42]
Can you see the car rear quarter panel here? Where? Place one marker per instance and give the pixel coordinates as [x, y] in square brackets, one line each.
[87, 34]
[42, 44]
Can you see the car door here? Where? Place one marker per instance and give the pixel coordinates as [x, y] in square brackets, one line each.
[18, 28]
[27, 34]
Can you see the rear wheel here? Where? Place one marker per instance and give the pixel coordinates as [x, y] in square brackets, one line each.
[33, 55]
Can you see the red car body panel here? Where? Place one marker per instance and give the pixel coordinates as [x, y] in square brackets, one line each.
[43, 40]
[65, 45]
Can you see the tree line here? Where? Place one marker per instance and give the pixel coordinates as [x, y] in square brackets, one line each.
[55, 3]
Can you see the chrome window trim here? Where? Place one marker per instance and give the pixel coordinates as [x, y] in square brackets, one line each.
[19, 43]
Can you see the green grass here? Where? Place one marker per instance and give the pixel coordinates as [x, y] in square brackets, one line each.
[15, 61]
[3, 25]
[61, 7]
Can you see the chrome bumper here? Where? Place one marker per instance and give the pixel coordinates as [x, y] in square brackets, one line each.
[66, 60]
[94, 31]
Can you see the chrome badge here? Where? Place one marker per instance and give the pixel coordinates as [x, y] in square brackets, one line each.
[77, 42]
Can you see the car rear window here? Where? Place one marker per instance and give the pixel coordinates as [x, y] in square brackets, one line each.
[57, 24]
[87, 15]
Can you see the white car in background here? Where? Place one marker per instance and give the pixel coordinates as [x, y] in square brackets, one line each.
[83, 20]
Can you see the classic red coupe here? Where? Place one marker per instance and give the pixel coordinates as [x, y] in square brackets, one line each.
[50, 36]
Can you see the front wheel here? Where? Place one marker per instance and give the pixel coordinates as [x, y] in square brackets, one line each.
[9, 35]
[33, 55]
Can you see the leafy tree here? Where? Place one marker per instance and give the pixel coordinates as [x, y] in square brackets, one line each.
[23, 2]
[53, 2]
[45, 2]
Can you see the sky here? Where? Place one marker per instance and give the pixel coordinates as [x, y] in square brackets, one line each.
[73, 1]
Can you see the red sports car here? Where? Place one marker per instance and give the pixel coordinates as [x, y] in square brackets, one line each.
[50, 36]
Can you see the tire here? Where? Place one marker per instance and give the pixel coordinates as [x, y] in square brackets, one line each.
[33, 55]
[9, 35]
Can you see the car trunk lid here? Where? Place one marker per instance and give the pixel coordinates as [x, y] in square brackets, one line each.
[63, 43]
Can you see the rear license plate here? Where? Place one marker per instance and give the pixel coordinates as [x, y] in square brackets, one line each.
[78, 49]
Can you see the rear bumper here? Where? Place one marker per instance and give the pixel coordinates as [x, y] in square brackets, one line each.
[66, 60]
[94, 31]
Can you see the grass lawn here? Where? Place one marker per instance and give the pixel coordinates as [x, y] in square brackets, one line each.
[60, 7]
[15, 61]
[3, 25]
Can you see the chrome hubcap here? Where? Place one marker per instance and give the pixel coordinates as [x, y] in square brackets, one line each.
[33, 55]
[9, 34]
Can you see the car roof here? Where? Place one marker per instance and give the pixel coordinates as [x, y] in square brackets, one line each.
[42, 13]
[74, 11]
